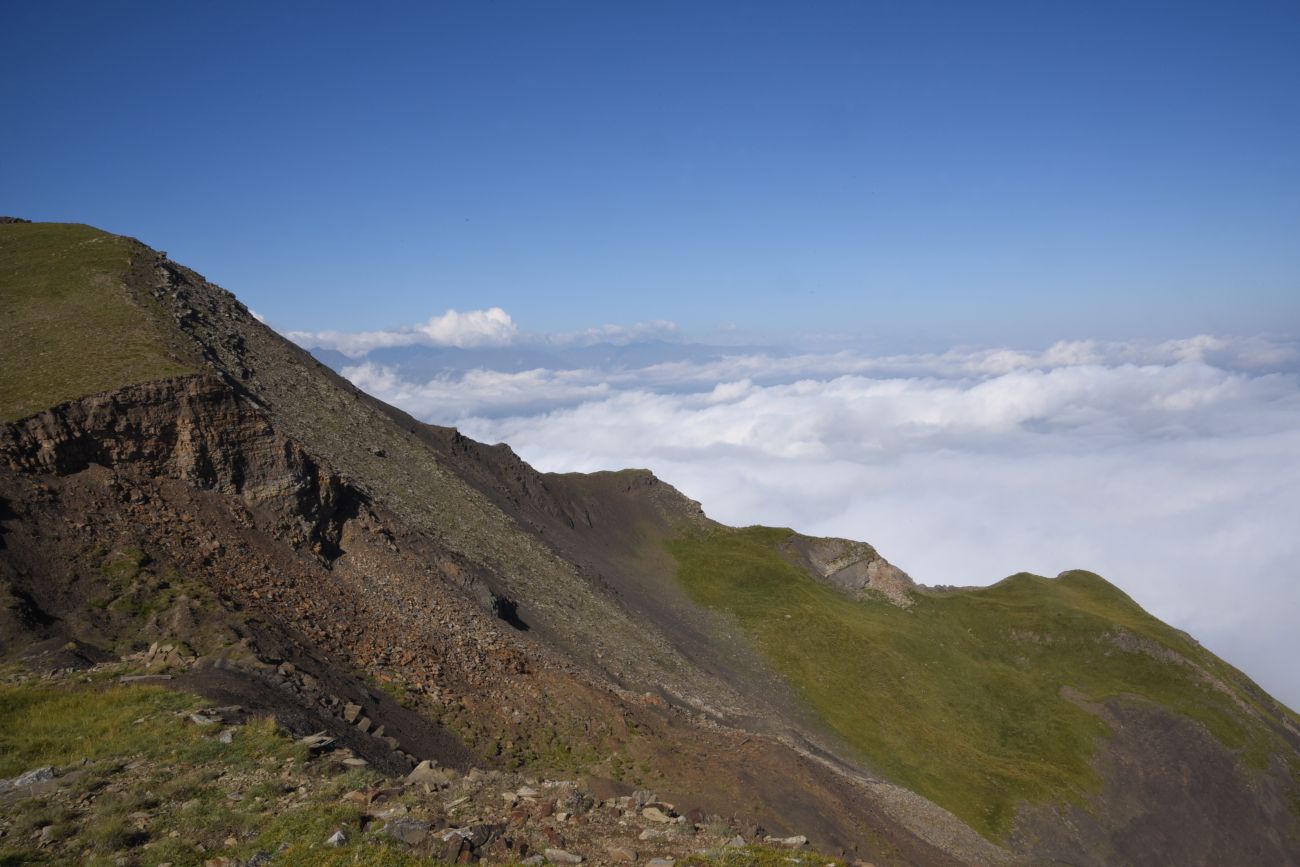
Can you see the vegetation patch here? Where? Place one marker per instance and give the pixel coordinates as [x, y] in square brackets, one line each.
[69, 325]
[759, 856]
[139, 781]
[135, 775]
[960, 696]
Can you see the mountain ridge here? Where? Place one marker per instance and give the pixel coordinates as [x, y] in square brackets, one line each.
[576, 591]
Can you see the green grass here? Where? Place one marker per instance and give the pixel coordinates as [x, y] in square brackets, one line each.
[181, 776]
[959, 696]
[759, 856]
[47, 726]
[69, 326]
[145, 756]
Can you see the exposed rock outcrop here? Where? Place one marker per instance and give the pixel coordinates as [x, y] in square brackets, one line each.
[194, 429]
[853, 568]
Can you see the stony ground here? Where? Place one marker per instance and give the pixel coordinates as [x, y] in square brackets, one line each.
[121, 770]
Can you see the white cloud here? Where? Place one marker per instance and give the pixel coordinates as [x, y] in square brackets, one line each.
[476, 391]
[475, 329]
[491, 327]
[1171, 468]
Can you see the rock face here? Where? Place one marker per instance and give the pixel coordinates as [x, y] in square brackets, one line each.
[854, 568]
[197, 430]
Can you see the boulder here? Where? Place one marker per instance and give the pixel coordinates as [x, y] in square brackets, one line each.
[790, 842]
[654, 814]
[428, 774]
[409, 831]
[29, 778]
[316, 742]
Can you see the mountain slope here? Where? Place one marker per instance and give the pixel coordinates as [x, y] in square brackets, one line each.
[985, 699]
[73, 325]
[190, 476]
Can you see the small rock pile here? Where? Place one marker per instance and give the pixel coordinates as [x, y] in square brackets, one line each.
[494, 816]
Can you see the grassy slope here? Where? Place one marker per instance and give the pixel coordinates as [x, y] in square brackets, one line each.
[156, 789]
[68, 325]
[146, 757]
[958, 697]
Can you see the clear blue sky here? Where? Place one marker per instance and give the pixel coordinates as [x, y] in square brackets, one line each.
[990, 171]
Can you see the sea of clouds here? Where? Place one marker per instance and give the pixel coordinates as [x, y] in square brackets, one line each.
[1170, 467]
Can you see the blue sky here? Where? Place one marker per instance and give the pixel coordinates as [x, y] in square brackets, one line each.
[1020, 172]
[1034, 268]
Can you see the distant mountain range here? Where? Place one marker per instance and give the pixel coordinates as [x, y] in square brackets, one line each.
[426, 362]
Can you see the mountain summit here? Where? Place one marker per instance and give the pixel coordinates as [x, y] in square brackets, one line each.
[189, 501]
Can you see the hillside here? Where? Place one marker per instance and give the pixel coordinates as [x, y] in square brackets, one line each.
[174, 472]
[74, 322]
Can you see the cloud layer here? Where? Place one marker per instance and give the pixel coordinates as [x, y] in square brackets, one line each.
[1169, 467]
[492, 327]
[474, 329]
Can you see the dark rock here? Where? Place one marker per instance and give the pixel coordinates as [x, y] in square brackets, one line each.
[453, 847]
[482, 834]
[409, 831]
